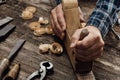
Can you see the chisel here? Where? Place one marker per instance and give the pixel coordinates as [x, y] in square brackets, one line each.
[6, 61]
[5, 21]
[6, 30]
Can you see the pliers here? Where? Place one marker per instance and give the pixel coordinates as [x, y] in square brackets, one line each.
[46, 68]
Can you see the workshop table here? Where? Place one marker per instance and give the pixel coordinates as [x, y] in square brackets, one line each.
[105, 68]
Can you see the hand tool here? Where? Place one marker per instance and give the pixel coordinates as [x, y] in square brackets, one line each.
[6, 30]
[5, 21]
[117, 36]
[46, 68]
[6, 61]
[13, 72]
[83, 67]
[72, 19]
[2, 1]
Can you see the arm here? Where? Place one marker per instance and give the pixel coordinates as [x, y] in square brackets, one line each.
[104, 15]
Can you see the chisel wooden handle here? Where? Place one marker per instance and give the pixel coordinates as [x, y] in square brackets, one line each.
[13, 72]
[3, 66]
[83, 67]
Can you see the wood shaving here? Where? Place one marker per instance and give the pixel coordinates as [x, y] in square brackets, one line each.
[31, 9]
[42, 21]
[34, 25]
[56, 48]
[27, 14]
[39, 32]
[44, 48]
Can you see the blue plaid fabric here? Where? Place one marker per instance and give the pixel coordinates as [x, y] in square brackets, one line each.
[104, 15]
[58, 1]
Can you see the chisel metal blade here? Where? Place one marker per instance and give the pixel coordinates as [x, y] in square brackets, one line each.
[5, 21]
[4, 31]
[2, 1]
[15, 49]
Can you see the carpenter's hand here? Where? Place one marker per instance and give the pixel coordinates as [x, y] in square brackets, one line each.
[91, 47]
[58, 21]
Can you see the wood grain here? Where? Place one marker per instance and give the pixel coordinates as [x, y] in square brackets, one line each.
[29, 56]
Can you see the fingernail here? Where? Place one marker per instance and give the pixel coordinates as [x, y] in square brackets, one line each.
[73, 44]
[62, 36]
[64, 28]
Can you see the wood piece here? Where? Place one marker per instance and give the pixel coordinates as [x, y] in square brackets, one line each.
[73, 23]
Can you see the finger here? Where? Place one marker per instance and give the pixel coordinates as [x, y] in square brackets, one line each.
[55, 21]
[53, 27]
[60, 17]
[87, 42]
[75, 38]
[95, 55]
[81, 15]
[80, 57]
[95, 47]
[92, 49]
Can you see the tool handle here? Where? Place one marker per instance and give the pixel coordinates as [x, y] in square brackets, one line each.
[83, 67]
[84, 33]
[3, 66]
[13, 72]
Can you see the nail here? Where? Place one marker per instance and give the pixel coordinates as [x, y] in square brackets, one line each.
[73, 43]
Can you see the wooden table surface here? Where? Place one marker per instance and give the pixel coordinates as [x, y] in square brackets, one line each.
[105, 68]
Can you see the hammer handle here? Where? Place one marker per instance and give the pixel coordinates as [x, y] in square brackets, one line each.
[3, 66]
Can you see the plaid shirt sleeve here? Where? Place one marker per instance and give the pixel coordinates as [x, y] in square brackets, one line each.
[104, 15]
[58, 1]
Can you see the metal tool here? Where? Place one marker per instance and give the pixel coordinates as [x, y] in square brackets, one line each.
[5, 31]
[2, 1]
[6, 61]
[117, 36]
[6, 28]
[46, 67]
[5, 21]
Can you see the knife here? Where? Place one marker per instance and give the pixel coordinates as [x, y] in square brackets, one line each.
[6, 61]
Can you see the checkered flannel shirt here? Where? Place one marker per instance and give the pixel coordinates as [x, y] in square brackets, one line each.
[104, 16]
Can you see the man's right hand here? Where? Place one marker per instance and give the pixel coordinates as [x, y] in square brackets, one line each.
[58, 21]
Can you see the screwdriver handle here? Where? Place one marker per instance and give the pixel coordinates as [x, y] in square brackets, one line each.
[3, 66]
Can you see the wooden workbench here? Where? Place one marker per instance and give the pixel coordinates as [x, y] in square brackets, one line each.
[105, 68]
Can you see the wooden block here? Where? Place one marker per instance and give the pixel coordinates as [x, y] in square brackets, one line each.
[71, 12]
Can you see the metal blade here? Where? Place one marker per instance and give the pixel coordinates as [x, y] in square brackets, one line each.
[15, 49]
[5, 21]
[2, 1]
[4, 31]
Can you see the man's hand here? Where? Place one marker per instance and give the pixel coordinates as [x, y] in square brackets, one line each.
[91, 47]
[58, 21]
